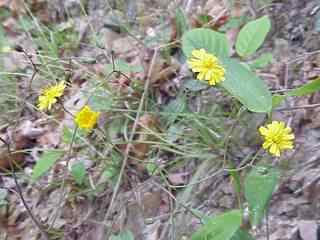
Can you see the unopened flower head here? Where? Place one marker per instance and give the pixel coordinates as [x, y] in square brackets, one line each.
[207, 66]
[86, 118]
[50, 95]
[277, 137]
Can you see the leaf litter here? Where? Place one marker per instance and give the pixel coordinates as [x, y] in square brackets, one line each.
[143, 209]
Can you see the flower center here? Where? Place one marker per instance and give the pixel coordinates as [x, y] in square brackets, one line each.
[277, 139]
[86, 119]
[208, 63]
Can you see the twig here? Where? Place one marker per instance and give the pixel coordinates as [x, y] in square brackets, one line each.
[129, 145]
[309, 106]
[213, 21]
[252, 8]
[55, 215]
[34, 66]
[280, 91]
[19, 191]
[176, 200]
[64, 109]
[226, 146]
[188, 6]
[229, 133]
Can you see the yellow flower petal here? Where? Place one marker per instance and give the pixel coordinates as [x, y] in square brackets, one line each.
[50, 95]
[86, 118]
[266, 144]
[277, 137]
[207, 66]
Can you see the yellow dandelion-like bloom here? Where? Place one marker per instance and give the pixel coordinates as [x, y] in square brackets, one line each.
[86, 118]
[277, 137]
[50, 95]
[207, 66]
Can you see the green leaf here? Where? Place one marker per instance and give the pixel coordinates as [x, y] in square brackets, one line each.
[213, 42]
[46, 161]
[242, 235]
[277, 100]
[125, 235]
[262, 61]
[306, 89]
[194, 85]
[248, 88]
[3, 197]
[175, 132]
[259, 185]
[234, 23]
[236, 179]
[68, 135]
[252, 35]
[101, 100]
[25, 23]
[175, 107]
[4, 43]
[221, 227]
[181, 22]
[78, 172]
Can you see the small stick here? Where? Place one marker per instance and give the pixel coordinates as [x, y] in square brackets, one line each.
[309, 106]
[129, 145]
[19, 191]
[34, 66]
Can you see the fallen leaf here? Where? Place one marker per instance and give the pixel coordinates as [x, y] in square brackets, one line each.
[308, 229]
[178, 178]
[147, 125]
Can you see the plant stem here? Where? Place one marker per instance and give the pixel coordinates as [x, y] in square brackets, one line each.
[19, 190]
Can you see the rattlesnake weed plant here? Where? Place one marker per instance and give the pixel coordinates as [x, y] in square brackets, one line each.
[209, 58]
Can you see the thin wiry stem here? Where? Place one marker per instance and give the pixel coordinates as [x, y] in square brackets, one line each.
[309, 106]
[19, 191]
[64, 177]
[129, 146]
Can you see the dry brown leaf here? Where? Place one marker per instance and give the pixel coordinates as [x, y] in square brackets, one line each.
[165, 74]
[178, 178]
[23, 138]
[215, 7]
[308, 229]
[16, 6]
[147, 125]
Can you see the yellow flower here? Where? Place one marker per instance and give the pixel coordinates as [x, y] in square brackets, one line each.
[277, 137]
[86, 118]
[49, 96]
[207, 66]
